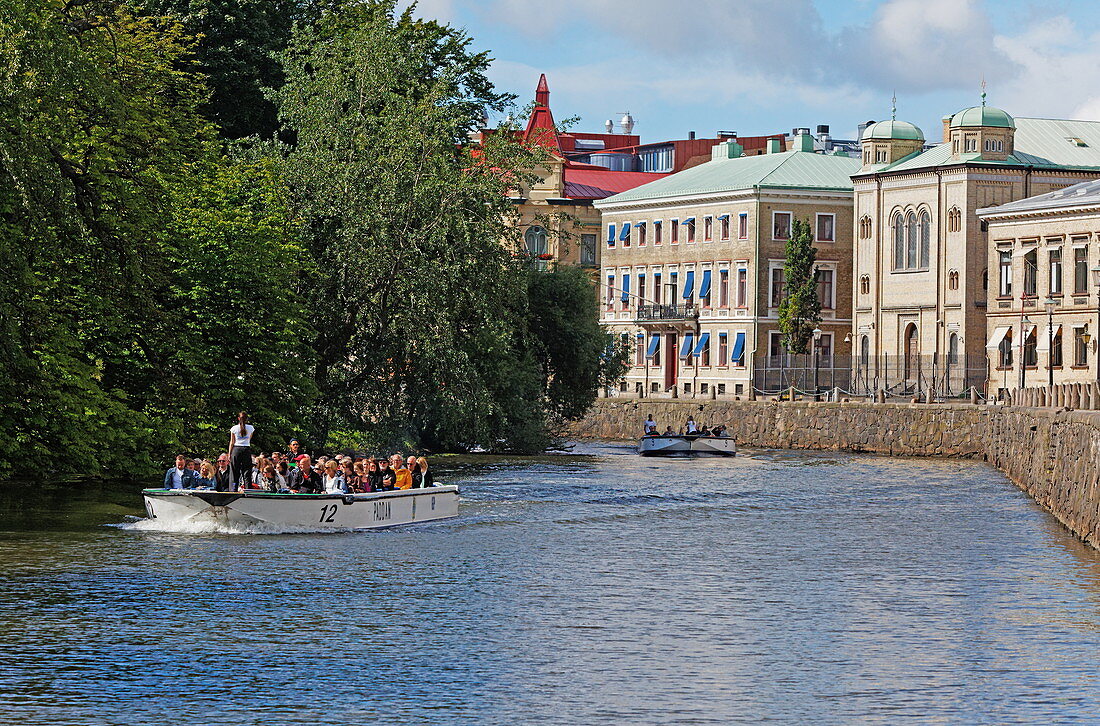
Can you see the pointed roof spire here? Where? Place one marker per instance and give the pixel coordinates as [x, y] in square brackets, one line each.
[894, 107]
[983, 90]
[542, 93]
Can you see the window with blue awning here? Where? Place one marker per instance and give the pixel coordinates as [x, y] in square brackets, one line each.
[625, 234]
[704, 341]
[610, 234]
[704, 286]
[723, 217]
[653, 343]
[689, 284]
[738, 349]
[626, 288]
[689, 220]
[685, 349]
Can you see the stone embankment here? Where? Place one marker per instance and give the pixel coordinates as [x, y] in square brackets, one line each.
[1052, 454]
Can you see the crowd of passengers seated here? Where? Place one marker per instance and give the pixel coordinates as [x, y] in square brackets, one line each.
[298, 473]
[690, 428]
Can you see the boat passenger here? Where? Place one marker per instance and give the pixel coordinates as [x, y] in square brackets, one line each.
[193, 465]
[282, 472]
[270, 480]
[650, 426]
[240, 442]
[205, 479]
[294, 450]
[691, 428]
[179, 476]
[388, 476]
[334, 480]
[403, 475]
[222, 475]
[422, 477]
[358, 482]
[351, 478]
[704, 431]
[303, 479]
[669, 432]
[374, 476]
[720, 431]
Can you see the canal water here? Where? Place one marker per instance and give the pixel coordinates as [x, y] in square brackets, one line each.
[593, 588]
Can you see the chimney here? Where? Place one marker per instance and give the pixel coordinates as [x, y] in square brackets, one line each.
[863, 127]
[823, 128]
[947, 128]
[691, 136]
[803, 142]
[727, 134]
[775, 145]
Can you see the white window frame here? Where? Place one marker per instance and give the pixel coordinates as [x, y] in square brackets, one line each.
[724, 361]
[831, 267]
[772, 266]
[717, 283]
[817, 226]
[674, 231]
[790, 224]
[736, 296]
[708, 224]
[742, 216]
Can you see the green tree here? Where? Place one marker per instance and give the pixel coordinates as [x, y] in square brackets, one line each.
[418, 315]
[575, 354]
[800, 309]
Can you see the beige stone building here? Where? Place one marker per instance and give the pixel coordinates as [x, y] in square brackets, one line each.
[921, 267]
[692, 270]
[1044, 258]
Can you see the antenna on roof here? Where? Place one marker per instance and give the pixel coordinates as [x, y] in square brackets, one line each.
[983, 89]
[894, 107]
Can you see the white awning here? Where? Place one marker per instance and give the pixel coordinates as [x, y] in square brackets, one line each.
[999, 334]
[1026, 332]
[1043, 343]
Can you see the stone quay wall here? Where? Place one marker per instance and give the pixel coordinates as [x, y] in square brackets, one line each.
[1052, 454]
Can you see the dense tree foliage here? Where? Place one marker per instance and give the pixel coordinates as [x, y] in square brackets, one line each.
[346, 282]
[800, 309]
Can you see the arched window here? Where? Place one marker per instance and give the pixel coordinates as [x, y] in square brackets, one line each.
[865, 285]
[1005, 350]
[865, 351]
[912, 351]
[910, 240]
[953, 280]
[953, 350]
[925, 237]
[535, 239]
[899, 242]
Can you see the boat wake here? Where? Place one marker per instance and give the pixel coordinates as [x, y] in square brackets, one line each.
[208, 526]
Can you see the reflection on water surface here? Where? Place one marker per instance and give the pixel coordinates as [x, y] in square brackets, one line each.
[592, 588]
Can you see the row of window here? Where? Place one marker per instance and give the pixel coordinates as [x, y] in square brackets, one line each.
[954, 224]
[1030, 350]
[721, 351]
[692, 351]
[1055, 272]
[684, 230]
[659, 288]
[952, 282]
[912, 240]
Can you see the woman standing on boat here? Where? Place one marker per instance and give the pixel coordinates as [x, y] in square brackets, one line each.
[240, 448]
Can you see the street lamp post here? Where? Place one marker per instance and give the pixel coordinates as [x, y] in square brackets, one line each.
[1096, 283]
[817, 357]
[1025, 323]
[1050, 303]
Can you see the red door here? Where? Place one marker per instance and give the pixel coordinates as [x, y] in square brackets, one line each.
[672, 360]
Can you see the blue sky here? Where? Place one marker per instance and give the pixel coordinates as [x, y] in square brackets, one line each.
[766, 66]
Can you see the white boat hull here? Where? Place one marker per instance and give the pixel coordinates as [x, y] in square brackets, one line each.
[264, 511]
[686, 446]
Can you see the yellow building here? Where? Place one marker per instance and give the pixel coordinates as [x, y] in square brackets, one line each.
[1044, 254]
[692, 270]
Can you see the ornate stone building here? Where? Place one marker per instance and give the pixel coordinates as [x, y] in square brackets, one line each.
[921, 266]
[692, 269]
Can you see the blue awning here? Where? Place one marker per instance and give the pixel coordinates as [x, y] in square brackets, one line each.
[625, 234]
[653, 343]
[611, 234]
[689, 284]
[723, 216]
[738, 349]
[704, 286]
[639, 224]
[626, 288]
[685, 349]
[689, 220]
[704, 341]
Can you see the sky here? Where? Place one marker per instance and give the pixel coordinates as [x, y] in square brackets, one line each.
[767, 66]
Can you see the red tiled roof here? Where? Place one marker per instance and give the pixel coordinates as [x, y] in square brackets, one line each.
[584, 181]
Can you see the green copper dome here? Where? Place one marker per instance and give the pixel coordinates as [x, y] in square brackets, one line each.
[901, 130]
[982, 116]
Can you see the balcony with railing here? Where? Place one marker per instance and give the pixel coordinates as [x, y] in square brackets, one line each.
[665, 313]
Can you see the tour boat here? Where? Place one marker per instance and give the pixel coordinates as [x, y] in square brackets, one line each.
[269, 511]
[676, 445]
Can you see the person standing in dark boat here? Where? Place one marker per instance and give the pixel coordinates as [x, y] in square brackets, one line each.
[240, 448]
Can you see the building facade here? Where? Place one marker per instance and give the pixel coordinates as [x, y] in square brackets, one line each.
[921, 265]
[692, 270]
[1043, 301]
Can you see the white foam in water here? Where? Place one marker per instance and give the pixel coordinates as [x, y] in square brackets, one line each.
[209, 526]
